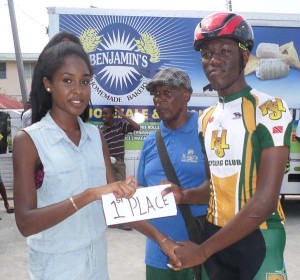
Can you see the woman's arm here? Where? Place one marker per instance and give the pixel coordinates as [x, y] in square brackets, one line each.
[29, 218]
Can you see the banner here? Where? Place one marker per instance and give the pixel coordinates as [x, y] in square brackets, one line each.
[127, 49]
[135, 140]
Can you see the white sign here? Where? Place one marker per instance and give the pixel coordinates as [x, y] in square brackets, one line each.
[146, 203]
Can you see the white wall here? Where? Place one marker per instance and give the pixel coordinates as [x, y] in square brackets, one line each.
[131, 159]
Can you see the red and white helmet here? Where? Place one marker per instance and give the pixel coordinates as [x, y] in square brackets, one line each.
[224, 25]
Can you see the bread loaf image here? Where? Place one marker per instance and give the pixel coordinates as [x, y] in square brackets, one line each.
[271, 68]
[267, 50]
[273, 61]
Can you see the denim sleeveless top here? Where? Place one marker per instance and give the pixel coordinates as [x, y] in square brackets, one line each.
[69, 170]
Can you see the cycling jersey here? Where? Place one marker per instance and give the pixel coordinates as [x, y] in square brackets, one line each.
[235, 131]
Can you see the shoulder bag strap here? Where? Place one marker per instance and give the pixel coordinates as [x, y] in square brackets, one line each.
[172, 177]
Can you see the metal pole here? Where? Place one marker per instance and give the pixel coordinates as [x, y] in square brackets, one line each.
[17, 51]
[229, 5]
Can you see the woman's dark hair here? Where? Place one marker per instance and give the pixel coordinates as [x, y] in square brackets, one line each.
[61, 46]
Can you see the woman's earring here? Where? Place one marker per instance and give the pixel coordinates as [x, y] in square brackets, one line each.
[48, 89]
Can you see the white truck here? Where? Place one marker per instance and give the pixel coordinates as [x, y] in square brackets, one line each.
[127, 47]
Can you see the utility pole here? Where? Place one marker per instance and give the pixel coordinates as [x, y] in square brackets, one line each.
[19, 59]
[229, 5]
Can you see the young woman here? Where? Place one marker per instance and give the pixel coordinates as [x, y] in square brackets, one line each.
[61, 170]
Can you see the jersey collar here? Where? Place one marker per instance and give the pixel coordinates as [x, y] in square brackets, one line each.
[236, 95]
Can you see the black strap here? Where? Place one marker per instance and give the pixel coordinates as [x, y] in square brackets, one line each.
[172, 177]
[190, 222]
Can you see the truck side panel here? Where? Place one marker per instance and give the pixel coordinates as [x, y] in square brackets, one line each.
[127, 47]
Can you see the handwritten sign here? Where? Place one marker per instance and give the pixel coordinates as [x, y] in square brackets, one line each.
[147, 203]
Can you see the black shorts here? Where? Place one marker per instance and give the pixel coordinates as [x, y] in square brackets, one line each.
[258, 256]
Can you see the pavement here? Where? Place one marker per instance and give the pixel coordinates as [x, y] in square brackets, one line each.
[126, 248]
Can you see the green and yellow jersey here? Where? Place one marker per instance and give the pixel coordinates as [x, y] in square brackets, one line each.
[234, 133]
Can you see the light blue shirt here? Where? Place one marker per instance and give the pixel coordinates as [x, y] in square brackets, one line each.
[69, 170]
[185, 152]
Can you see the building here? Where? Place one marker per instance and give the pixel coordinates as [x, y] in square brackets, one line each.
[7, 102]
[11, 102]
[9, 77]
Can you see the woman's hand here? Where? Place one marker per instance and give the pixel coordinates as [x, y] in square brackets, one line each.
[120, 189]
[124, 189]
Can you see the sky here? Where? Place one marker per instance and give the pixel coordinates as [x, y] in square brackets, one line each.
[32, 17]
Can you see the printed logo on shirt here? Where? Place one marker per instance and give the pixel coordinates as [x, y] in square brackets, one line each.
[275, 276]
[237, 115]
[274, 108]
[218, 142]
[211, 119]
[278, 129]
[189, 156]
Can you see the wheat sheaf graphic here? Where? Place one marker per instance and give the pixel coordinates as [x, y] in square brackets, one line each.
[90, 40]
[147, 44]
